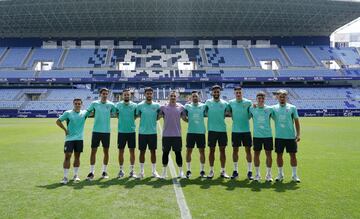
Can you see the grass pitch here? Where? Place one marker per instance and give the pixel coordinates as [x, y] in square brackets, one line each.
[31, 168]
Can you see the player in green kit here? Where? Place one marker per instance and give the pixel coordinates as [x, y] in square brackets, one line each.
[285, 116]
[240, 136]
[126, 110]
[102, 110]
[261, 116]
[74, 137]
[216, 110]
[194, 114]
[149, 113]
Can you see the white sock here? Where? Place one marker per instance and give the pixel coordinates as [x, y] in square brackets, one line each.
[236, 166]
[164, 171]
[294, 171]
[281, 172]
[92, 169]
[268, 171]
[180, 170]
[104, 167]
[249, 166]
[188, 164]
[131, 168]
[153, 167]
[66, 171]
[212, 168]
[121, 167]
[202, 166]
[222, 169]
[141, 167]
[76, 171]
[257, 171]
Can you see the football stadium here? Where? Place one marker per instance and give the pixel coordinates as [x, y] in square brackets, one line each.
[179, 109]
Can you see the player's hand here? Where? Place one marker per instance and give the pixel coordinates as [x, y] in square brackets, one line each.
[297, 139]
[254, 105]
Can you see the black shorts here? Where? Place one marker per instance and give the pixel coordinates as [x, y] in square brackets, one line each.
[73, 146]
[266, 142]
[126, 138]
[98, 137]
[174, 143]
[241, 139]
[219, 137]
[289, 144]
[147, 141]
[198, 139]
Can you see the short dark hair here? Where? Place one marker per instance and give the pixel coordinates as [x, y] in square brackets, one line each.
[77, 99]
[261, 94]
[237, 88]
[215, 87]
[148, 89]
[103, 89]
[125, 90]
[194, 92]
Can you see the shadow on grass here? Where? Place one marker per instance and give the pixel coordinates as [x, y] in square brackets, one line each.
[203, 183]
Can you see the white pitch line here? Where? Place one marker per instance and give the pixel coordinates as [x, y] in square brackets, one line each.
[180, 198]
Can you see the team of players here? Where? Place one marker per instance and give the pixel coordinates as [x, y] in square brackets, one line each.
[241, 110]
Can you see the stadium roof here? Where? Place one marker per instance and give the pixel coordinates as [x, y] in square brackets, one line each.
[174, 18]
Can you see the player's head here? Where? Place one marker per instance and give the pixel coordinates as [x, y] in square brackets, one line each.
[216, 91]
[238, 93]
[195, 96]
[148, 93]
[104, 92]
[282, 96]
[77, 103]
[260, 98]
[172, 96]
[126, 95]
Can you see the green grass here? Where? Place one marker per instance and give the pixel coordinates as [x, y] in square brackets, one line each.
[31, 168]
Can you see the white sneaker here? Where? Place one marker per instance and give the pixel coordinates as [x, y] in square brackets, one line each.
[132, 174]
[279, 178]
[155, 174]
[141, 175]
[181, 175]
[269, 178]
[76, 178]
[163, 174]
[211, 174]
[257, 178]
[64, 181]
[296, 178]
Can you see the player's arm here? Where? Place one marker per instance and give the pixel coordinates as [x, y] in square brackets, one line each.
[61, 125]
[184, 115]
[160, 114]
[228, 111]
[206, 110]
[297, 124]
[59, 121]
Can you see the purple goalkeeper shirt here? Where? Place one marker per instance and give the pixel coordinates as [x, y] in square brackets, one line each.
[172, 116]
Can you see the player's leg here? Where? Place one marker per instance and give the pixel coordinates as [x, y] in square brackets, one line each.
[201, 143]
[142, 149]
[268, 149]
[190, 144]
[76, 166]
[132, 145]
[257, 150]
[66, 164]
[95, 142]
[105, 141]
[177, 147]
[166, 147]
[291, 148]
[279, 149]
[121, 146]
[236, 143]
[212, 139]
[247, 142]
[152, 143]
[222, 146]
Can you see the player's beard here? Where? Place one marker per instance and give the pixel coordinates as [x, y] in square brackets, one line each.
[126, 100]
[148, 99]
